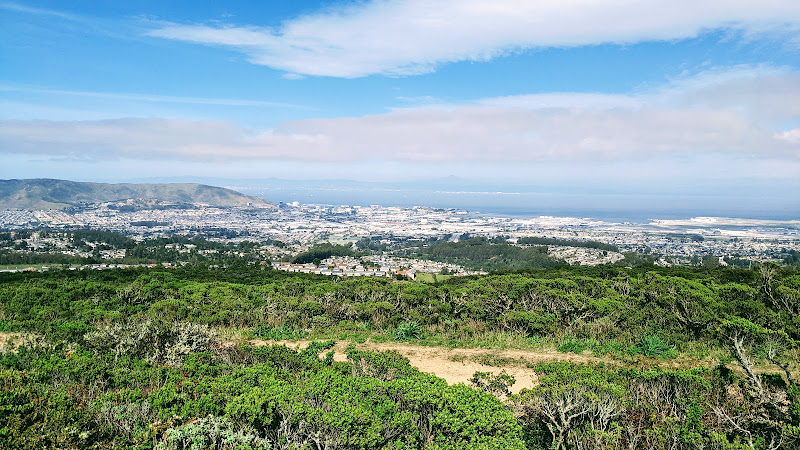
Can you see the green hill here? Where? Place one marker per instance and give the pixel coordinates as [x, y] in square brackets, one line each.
[46, 193]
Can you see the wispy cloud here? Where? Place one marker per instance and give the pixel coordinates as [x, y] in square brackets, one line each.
[105, 27]
[742, 112]
[413, 37]
[16, 7]
[152, 98]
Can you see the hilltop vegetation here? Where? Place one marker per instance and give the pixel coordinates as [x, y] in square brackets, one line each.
[136, 358]
[59, 194]
[680, 306]
[57, 247]
[484, 254]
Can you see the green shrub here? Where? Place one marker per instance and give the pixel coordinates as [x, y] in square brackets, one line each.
[385, 366]
[794, 409]
[185, 339]
[407, 331]
[283, 332]
[211, 433]
[495, 384]
[153, 341]
[654, 347]
[315, 347]
[127, 419]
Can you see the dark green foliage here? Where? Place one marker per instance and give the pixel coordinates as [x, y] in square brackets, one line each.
[109, 238]
[322, 251]
[278, 334]
[129, 359]
[170, 249]
[634, 259]
[480, 253]
[385, 366]
[792, 259]
[601, 304]
[372, 243]
[594, 406]
[495, 384]
[533, 323]
[573, 345]
[794, 398]
[314, 348]
[532, 240]
[278, 398]
[8, 257]
[31, 420]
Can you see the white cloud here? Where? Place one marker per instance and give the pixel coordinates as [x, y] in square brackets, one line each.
[410, 37]
[741, 113]
[791, 136]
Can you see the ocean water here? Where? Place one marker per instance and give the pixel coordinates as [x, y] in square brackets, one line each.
[633, 208]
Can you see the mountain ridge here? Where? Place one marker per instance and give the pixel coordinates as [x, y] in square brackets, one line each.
[48, 193]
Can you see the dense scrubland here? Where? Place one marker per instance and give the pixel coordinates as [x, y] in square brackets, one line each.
[693, 358]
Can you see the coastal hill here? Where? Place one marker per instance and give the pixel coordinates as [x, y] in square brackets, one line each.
[43, 193]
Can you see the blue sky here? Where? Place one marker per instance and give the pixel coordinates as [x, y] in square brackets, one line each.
[623, 94]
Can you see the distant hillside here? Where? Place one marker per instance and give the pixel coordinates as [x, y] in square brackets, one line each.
[58, 194]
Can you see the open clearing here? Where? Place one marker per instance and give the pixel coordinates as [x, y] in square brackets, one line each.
[459, 364]
[6, 339]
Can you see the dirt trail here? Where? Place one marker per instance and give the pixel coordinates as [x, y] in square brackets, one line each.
[459, 364]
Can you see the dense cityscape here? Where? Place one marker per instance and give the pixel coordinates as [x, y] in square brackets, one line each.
[715, 241]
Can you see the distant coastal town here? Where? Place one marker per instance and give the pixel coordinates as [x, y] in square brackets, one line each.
[298, 227]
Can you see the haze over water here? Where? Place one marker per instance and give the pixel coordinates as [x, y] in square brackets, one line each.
[614, 208]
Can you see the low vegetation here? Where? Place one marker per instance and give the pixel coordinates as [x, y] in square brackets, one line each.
[134, 358]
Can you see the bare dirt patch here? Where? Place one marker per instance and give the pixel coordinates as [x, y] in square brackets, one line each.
[459, 364]
[7, 340]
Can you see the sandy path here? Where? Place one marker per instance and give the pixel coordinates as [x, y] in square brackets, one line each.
[459, 364]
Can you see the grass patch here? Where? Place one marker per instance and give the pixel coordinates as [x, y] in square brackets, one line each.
[488, 359]
[459, 358]
[231, 333]
[345, 330]
[488, 339]
[355, 337]
[424, 277]
[380, 338]
[653, 347]
[613, 348]
[576, 345]
[280, 333]
[26, 266]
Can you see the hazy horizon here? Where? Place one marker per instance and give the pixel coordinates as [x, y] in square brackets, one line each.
[508, 200]
[607, 106]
